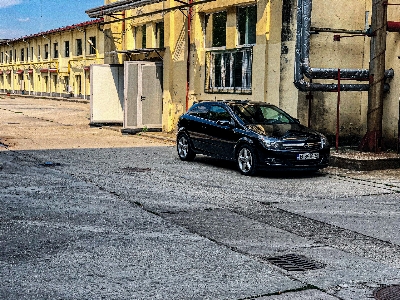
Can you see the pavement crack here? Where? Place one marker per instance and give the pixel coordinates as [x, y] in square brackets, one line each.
[328, 234]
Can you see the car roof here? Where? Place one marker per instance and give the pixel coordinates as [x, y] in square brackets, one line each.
[230, 102]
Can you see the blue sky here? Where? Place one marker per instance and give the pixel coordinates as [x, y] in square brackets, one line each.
[19, 18]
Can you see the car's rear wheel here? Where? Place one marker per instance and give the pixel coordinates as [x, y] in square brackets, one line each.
[184, 148]
[246, 160]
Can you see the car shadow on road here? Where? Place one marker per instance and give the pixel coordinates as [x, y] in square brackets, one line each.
[231, 165]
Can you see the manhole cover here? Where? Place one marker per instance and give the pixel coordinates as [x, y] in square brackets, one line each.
[388, 293]
[294, 262]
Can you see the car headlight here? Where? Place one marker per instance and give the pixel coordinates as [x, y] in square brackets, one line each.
[271, 143]
[324, 142]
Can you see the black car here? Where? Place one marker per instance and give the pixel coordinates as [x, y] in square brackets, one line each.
[256, 135]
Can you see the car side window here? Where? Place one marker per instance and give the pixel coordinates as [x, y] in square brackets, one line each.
[272, 114]
[199, 110]
[218, 113]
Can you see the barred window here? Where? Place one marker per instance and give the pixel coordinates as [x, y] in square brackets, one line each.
[229, 71]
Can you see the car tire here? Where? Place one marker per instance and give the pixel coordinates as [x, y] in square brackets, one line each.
[184, 148]
[246, 160]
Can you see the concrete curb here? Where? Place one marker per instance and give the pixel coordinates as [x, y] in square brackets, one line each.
[364, 164]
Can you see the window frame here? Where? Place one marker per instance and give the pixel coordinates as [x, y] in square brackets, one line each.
[229, 71]
[215, 38]
[92, 47]
[245, 35]
[55, 50]
[46, 51]
[144, 36]
[160, 35]
[79, 48]
[66, 49]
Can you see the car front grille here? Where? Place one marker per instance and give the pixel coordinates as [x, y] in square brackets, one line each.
[303, 146]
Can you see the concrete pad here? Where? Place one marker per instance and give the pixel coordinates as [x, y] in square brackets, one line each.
[301, 295]
[367, 215]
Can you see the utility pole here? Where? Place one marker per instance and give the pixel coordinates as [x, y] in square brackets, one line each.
[372, 141]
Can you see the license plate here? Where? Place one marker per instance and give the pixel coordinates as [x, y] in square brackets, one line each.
[307, 156]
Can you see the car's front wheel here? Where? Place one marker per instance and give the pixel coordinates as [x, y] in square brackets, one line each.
[246, 160]
[184, 148]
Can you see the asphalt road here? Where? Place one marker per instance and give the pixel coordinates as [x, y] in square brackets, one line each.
[89, 219]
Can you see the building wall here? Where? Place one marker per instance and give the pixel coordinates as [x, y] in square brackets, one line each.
[352, 51]
[47, 67]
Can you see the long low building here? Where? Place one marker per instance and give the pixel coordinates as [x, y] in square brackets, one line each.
[52, 63]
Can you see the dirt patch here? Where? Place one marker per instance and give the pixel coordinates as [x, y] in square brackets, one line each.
[49, 124]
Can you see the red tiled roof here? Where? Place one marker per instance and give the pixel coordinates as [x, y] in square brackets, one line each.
[66, 28]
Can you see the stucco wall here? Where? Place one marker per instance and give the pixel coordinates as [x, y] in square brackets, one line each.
[273, 61]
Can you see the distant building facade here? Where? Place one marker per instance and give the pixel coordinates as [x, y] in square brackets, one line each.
[53, 63]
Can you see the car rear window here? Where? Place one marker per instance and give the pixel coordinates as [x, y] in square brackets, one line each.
[199, 111]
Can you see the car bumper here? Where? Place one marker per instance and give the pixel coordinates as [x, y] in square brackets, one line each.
[287, 160]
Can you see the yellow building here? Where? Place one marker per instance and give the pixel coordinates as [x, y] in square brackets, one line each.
[53, 63]
[259, 50]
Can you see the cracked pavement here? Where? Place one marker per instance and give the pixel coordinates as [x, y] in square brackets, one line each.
[88, 213]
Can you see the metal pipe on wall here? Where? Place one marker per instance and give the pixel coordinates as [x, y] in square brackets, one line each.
[302, 60]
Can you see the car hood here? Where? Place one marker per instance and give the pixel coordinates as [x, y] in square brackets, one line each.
[284, 131]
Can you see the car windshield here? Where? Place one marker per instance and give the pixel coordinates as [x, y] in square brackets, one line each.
[261, 114]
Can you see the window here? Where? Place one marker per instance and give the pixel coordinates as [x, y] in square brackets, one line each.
[229, 71]
[38, 52]
[261, 114]
[199, 110]
[11, 56]
[22, 55]
[1, 57]
[143, 36]
[46, 51]
[92, 45]
[160, 35]
[217, 113]
[66, 48]
[31, 53]
[246, 24]
[55, 50]
[219, 29]
[79, 47]
[67, 88]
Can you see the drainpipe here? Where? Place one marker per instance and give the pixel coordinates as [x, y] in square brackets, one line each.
[302, 61]
[189, 24]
